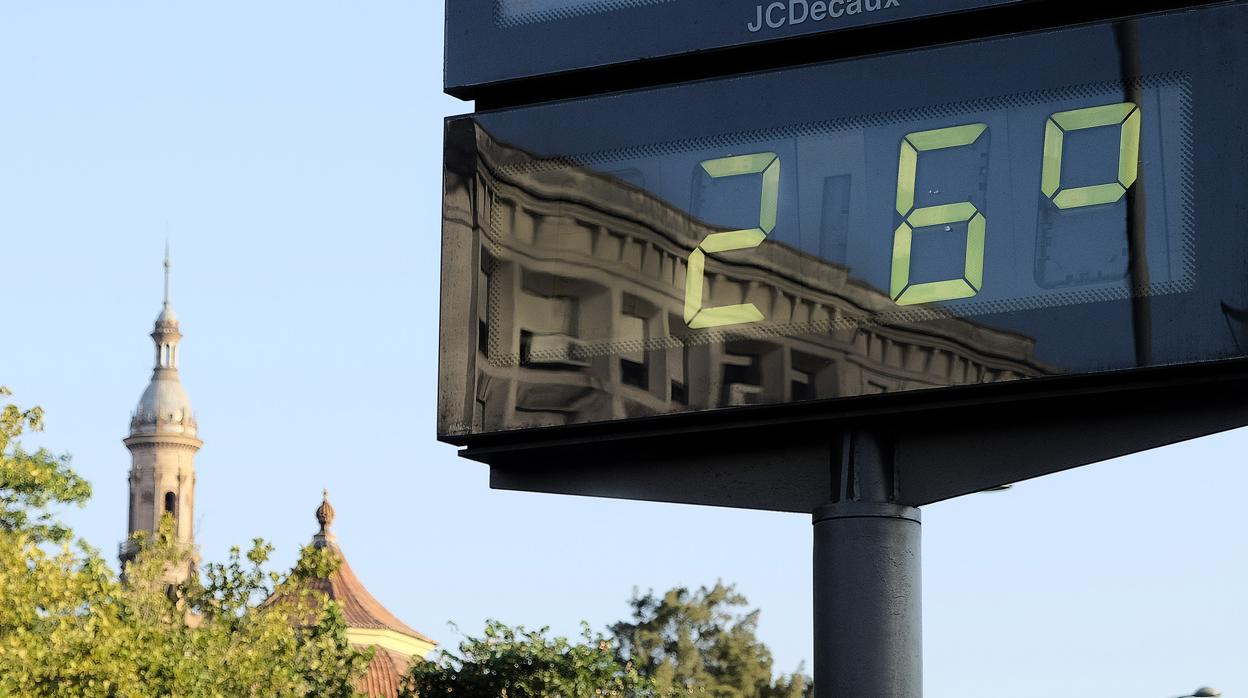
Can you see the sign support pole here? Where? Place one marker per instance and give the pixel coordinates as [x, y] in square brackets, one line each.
[867, 585]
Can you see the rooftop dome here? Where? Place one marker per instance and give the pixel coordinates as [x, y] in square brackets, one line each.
[164, 407]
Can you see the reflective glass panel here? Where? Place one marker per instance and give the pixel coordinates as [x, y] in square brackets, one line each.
[1051, 204]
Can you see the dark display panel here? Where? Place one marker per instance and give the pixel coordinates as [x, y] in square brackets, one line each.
[514, 12]
[492, 41]
[1051, 204]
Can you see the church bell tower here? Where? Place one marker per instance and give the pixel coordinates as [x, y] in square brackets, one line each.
[163, 442]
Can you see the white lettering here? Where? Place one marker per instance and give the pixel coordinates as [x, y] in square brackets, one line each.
[793, 5]
[772, 8]
[757, 24]
[782, 13]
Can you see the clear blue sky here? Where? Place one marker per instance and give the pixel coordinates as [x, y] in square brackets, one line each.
[291, 152]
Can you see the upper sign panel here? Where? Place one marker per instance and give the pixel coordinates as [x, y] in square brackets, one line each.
[493, 41]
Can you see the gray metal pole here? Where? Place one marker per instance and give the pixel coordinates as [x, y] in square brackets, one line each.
[868, 591]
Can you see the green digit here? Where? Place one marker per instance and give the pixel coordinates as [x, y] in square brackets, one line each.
[1126, 115]
[768, 164]
[902, 291]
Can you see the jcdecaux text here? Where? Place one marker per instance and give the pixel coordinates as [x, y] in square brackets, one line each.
[794, 12]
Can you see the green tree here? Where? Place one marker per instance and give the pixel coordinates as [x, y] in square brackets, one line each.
[702, 640]
[682, 644]
[30, 482]
[70, 626]
[514, 663]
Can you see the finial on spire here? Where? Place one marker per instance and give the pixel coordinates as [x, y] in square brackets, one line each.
[168, 266]
[325, 517]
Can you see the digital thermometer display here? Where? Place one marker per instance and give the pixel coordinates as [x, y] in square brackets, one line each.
[1059, 203]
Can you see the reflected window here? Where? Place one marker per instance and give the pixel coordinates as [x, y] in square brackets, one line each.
[548, 310]
[634, 369]
[678, 361]
[483, 307]
[807, 373]
[548, 305]
[526, 347]
[742, 379]
[801, 385]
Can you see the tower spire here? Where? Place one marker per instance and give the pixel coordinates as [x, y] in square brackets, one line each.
[168, 266]
[166, 333]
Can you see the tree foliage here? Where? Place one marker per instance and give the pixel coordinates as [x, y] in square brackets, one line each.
[515, 663]
[70, 626]
[681, 644]
[30, 482]
[702, 639]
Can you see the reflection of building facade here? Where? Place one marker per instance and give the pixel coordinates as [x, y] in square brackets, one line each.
[579, 316]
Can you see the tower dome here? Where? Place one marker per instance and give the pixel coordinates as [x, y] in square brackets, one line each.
[164, 407]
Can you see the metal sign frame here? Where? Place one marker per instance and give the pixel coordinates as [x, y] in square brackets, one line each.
[682, 444]
[945, 443]
[486, 45]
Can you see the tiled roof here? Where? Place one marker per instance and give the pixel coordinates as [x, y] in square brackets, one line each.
[364, 612]
[385, 672]
[361, 609]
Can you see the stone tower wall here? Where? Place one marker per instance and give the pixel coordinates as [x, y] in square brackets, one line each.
[159, 466]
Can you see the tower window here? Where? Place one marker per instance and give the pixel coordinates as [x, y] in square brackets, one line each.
[171, 502]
